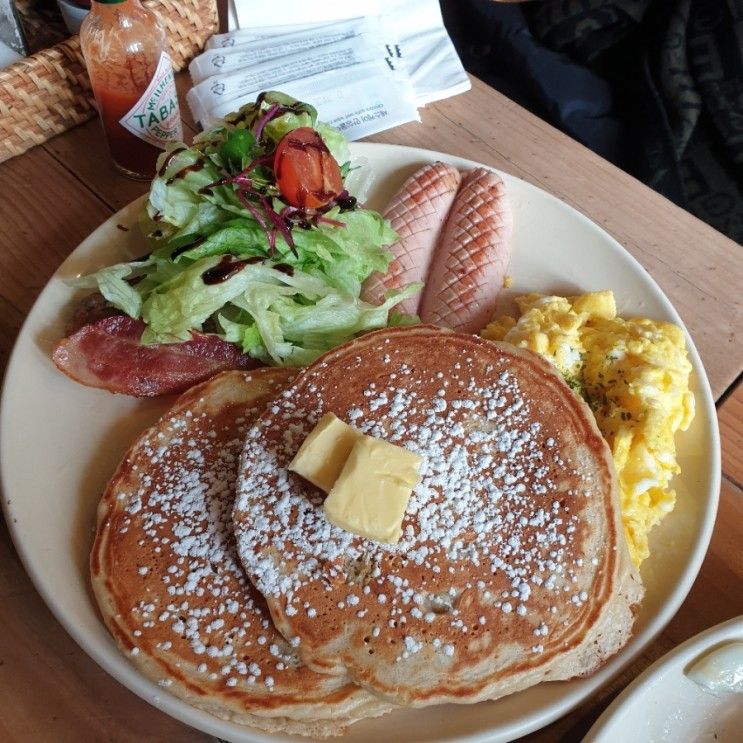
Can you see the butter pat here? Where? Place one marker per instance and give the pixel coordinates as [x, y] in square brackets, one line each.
[371, 493]
[323, 453]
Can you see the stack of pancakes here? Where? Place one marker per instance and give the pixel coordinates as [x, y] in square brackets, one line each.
[217, 572]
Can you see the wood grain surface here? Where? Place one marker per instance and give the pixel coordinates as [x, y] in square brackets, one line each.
[730, 415]
[54, 196]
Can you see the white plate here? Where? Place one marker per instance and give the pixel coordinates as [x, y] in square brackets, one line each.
[61, 441]
[662, 705]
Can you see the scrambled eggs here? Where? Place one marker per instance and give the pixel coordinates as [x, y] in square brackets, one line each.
[635, 376]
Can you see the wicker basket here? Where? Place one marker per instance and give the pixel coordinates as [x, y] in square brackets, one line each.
[49, 92]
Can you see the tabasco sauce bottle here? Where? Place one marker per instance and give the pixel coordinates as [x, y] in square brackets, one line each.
[126, 54]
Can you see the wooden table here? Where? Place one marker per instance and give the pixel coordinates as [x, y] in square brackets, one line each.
[56, 194]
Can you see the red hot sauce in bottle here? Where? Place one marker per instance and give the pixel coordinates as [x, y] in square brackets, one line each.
[131, 74]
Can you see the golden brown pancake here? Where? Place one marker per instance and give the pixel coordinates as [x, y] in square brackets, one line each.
[169, 583]
[512, 568]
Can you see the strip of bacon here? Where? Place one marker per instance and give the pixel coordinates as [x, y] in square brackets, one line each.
[417, 213]
[108, 354]
[472, 257]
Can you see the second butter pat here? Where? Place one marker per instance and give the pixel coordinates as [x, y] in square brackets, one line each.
[371, 493]
[323, 453]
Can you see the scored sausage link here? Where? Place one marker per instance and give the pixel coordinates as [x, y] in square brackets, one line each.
[417, 213]
[472, 257]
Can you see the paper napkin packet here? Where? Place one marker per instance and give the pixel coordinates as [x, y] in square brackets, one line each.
[361, 75]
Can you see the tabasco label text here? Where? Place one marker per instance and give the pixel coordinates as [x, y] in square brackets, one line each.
[155, 117]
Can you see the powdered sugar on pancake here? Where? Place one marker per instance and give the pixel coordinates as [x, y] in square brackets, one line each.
[183, 507]
[170, 583]
[494, 541]
[511, 454]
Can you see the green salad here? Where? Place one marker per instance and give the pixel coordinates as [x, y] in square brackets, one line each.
[254, 238]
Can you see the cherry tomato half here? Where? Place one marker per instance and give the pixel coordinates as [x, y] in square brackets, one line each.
[307, 174]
